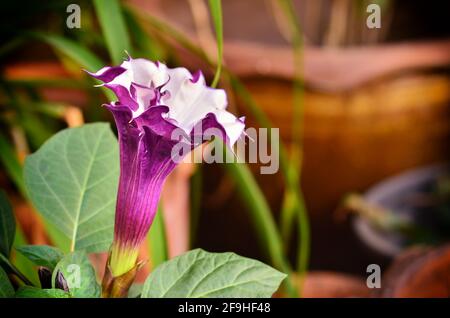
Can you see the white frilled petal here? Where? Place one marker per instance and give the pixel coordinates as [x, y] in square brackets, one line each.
[188, 98]
[101, 71]
[189, 101]
[232, 125]
[141, 72]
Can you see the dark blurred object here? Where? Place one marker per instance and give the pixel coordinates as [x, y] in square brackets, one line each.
[418, 273]
[411, 208]
[45, 277]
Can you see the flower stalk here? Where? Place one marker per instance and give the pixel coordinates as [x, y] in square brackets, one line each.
[118, 286]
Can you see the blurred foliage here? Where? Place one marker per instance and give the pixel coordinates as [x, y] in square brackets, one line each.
[109, 29]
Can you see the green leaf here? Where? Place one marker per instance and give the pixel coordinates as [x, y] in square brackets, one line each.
[15, 172]
[72, 181]
[79, 275]
[216, 14]
[6, 289]
[34, 292]
[7, 225]
[114, 29]
[42, 255]
[199, 274]
[10, 161]
[23, 264]
[135, 290]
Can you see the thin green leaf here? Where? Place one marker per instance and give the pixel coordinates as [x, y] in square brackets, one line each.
[195, 200]
[216, 14]
[73, 50]
[7, 225]
[23, 264]
[6, 289]
[166, 29]
[11, 269]
[157, 241]
[36, 131]
[109, 13]
[143, 42]
[78, 53]
[51, 82]
[11, 162]
[294, 209]
[261, 215]
[297, 135]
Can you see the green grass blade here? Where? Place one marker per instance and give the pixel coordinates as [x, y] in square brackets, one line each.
[297, 135]
[79, 54]
[167, 31]
[73, 50]
[143, 43]
[11, 163]
[23, 264]
[38, 83]
[248, 187]
[156, 240]
[216, 14]
[261, 215]
[112, 22]
[9, 267]
[195, 202]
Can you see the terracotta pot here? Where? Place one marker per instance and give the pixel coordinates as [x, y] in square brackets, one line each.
[319, 284]
[419, 273]
[327, 284]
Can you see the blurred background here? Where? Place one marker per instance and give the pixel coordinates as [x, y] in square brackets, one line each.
[363, 116]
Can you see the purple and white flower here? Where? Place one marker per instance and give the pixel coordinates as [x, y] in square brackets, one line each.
[153, 101]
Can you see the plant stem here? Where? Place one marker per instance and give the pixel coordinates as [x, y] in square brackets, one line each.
[216, 13]
[14, 270]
